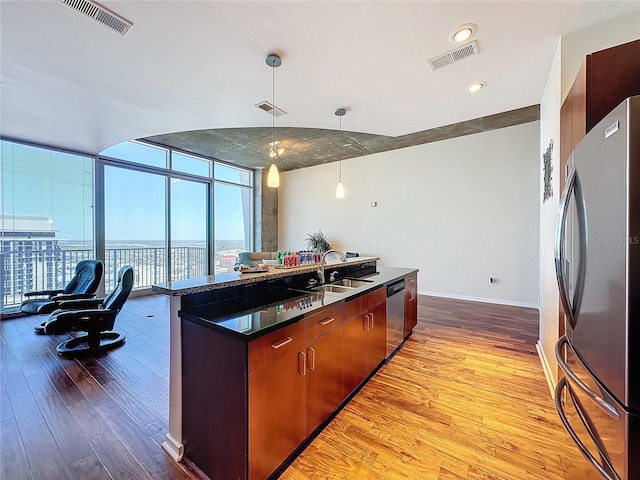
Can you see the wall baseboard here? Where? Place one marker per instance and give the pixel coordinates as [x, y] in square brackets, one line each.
[481, 299]
[546, 369]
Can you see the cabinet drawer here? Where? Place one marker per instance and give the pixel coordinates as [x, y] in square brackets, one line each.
[364, 302]
[411, 281]
[322, 322]
[274, 345]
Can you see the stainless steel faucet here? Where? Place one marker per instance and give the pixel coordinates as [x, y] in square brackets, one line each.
[322, 262]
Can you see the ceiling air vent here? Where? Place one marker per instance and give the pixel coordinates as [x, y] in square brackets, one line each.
[100, 15]
[453, 56]
[270, 109]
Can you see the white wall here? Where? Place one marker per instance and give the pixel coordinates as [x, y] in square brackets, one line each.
[549, 130]
[460, 210]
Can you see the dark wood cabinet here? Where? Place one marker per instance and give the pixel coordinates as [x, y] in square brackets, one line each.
[214, 406]
[612, 75]
[293, 387]
[276, 395]
[410, 303]
[323, 378]
[364, 337]
[324, 359]
[276, 413]
[354, 337]
[251, 404]
[604, 80]
[377, 334]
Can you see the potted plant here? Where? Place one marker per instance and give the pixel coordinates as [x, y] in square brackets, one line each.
[318, 241]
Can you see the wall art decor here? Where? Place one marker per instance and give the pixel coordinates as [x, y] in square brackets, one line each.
[548, 168]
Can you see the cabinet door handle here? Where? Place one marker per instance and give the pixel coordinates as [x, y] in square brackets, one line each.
[366, 325]
[312, 358]
[282, 343]
[372, 316]
[412, 294]
[327, 321]
[302, 362]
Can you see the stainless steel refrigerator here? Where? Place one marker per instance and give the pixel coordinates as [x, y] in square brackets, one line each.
[597, 257]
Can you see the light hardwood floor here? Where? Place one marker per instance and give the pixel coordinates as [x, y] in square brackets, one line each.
[465, 398]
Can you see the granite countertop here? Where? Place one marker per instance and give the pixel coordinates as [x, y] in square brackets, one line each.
[253, 317]
[233, 279]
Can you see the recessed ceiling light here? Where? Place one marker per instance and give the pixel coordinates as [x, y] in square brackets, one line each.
[463, 33]
[475, 86]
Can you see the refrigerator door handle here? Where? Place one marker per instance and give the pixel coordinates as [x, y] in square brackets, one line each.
[606, 407]
[570, 307]
[562, 384]
[559, 245]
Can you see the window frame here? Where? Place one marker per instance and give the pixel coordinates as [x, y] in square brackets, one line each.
[102, 161]
[87, 157]
[99, 162]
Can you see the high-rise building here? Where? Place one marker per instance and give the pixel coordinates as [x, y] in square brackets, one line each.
[29, 256]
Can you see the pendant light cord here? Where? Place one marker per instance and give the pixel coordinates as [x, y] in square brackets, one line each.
[340, 148]
[273, 109]
[273, 179]
[340, 188]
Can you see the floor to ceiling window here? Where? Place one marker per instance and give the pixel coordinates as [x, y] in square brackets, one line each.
[46, 218]
[233, 217]
[183, 209]
[134, 225]
[189, 206]
[189, 223]
[169, 214]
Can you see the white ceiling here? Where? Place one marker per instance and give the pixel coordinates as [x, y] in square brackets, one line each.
[69, 82]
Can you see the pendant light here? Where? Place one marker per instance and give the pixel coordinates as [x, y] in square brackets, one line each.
[273, 179]
[340, 188]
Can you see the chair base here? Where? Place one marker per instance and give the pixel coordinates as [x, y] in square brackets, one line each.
[81, 344]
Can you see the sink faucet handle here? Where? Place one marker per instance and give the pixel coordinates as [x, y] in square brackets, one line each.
[332, 276]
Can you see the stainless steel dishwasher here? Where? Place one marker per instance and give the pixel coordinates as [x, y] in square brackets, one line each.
[395, 316]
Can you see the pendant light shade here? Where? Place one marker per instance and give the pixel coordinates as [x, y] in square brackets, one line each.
[273, 179]
[340, 188]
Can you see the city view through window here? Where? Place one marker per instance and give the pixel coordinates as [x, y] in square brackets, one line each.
[47, 216]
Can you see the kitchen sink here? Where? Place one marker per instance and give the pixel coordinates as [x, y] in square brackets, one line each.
[352, 282]
[334, 288]
[343, 285]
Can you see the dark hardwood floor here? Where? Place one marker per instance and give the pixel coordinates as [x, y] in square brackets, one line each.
[98, 417]
[464, 399]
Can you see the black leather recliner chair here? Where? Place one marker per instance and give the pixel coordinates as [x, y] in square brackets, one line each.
[94, 316]
[83, 285]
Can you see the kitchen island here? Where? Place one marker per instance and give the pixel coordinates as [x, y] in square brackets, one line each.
[260, 362]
